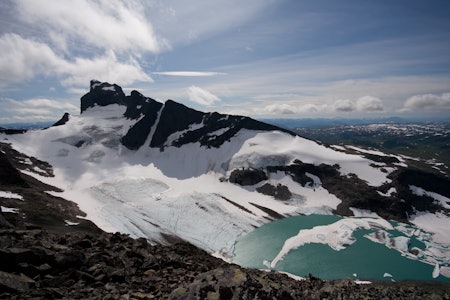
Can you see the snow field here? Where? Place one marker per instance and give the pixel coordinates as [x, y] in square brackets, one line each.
[178, 192]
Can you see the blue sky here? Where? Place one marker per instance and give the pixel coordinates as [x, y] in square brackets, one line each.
[260, 58]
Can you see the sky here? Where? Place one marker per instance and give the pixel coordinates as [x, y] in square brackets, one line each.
[259, 58]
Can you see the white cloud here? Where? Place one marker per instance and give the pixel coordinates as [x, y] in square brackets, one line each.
[105, 24]
[48, 104]
[188, 73]
[280, 108]
[369, 104]
[105, 68]
[344, 105]
[24, 59]
[312, 108]
[428, 101]
[201, 96]
[37, 109]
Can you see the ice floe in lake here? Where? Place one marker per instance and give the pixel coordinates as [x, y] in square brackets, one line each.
[338, 235]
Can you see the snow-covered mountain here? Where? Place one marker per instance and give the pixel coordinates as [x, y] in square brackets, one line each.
[165, 171]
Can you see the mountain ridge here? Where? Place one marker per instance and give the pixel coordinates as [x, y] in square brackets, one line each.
[168, 118]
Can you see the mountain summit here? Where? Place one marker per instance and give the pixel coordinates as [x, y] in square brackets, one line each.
[209, 129]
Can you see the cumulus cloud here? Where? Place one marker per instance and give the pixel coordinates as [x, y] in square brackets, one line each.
[24, 59]
[201, 96]
[344, 105]
[287, 109]
[369, 104]
[280, 108]
[188, 73]
[428, 101]
[21, 59]
[105, 24]
[363, 104]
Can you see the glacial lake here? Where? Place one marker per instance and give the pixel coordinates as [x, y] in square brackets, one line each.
[363, 260]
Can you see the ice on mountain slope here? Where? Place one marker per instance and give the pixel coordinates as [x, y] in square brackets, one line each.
[178, 191]
[277, 148]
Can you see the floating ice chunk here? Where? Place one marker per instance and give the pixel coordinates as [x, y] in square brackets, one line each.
[337, 235]
[387, 275]
[10, 195]
[401, 243]
[436, 271]
[445, 271]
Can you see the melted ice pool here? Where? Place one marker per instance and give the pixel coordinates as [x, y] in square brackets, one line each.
[332, 247]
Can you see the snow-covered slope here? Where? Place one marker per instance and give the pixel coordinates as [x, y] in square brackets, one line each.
[162, 171]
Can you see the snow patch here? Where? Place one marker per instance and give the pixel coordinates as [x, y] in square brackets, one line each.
[5, 209]
[442, 200]
[389, 193]
[69, 223]
[10, 195]
[279, 148]
[109, 88]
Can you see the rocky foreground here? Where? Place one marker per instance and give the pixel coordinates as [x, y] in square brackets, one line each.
[37, 264]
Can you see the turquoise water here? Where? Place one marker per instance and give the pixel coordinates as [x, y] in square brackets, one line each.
[364, 258]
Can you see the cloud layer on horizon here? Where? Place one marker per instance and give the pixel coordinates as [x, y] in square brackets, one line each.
[274, 62]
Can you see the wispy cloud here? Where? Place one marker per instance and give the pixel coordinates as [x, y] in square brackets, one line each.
[189, 73]
[201, 96]
[37, 109]
[104, 24]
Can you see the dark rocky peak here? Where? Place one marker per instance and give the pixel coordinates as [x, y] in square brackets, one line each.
[63, 120]
[175, 117]
[138, 105]
[209, 129]
[102, 94]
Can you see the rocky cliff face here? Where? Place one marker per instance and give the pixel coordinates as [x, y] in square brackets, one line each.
[171, 120]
